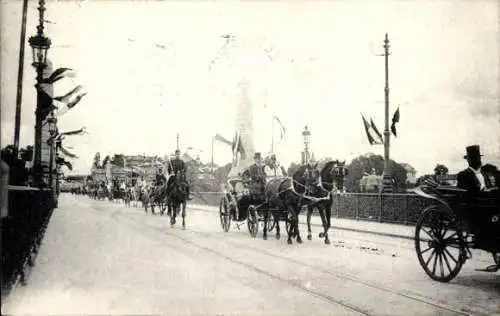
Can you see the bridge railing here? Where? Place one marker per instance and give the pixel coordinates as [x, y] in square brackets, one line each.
[29, 212]
[397, 208]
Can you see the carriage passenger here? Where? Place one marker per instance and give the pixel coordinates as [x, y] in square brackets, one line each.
[255, 176]
[480, 181]
[273, 169]
[160, 177]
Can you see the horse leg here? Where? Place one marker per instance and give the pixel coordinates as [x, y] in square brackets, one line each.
[184, 215]
[325, 227]
[277, 225]
[296, 226]
[310, 210]
[266, 219]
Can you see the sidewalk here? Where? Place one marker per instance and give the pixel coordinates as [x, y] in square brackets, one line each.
[369, 227]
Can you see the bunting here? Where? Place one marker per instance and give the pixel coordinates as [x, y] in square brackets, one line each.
[58, 74]
[380, 139]
[395, 119]
[368, 127]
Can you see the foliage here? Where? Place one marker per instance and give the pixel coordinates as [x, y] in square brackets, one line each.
[18, 174]
[440, 170]
[105, 161]
[97, 159]
[293, 168]
[366, 163]
[27, 153]
[118, 160]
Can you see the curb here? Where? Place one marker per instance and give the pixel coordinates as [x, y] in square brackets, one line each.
[208, 208]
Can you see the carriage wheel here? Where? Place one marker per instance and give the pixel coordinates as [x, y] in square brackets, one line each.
[225, 218]
[439, 244]
[252, 221]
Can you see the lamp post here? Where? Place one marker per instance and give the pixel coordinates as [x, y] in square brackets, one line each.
[387, 185]
[40, 45]
[307, 141]
[52, 122]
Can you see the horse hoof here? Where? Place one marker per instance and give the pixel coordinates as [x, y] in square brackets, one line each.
[278, 236]
[289, 241]
[265, 237]
[299, 240]
[327, 241]
[321, 235]
[309, 237]
[183, 227]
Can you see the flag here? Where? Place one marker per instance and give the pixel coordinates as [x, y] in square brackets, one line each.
[367, 130]
[282, 128]
[67, 153]
[376, 131]
[62, 161]
[67, 97]
[58, 74]
[75, 132]
[68, 106]
[222, 139]
[395, 119]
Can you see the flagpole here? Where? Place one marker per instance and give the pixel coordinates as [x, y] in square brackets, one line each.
[212, 166]
[19, 95]
[272, 135]
[387, 178]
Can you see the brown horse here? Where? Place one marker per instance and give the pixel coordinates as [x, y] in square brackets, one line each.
[324, 183]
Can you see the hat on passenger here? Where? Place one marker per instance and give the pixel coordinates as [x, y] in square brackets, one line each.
[473, 151]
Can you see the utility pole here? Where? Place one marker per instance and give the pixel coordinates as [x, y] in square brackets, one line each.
[387, 177]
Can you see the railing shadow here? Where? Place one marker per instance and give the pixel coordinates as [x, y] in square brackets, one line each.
[22, 230]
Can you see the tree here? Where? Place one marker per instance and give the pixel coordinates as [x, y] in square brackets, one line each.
[365, 163]
[440, 170]
[97, 159]
[118, 160]
[105, 162]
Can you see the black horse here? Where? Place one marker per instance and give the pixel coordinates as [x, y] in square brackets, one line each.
[177, 197]
[288, 195]
[323, 184]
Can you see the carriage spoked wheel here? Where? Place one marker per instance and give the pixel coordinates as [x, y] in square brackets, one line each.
[225, 218]
[439, 244]
[253, 221]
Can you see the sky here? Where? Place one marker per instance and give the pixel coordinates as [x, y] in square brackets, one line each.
[309, 63]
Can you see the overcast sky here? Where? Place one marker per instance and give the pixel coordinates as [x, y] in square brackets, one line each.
[322, 72]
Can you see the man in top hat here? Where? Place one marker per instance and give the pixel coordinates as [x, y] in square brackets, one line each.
[256, 175]
[176, 166]
[477, 178]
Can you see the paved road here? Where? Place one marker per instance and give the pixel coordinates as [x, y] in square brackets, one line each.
[103, 258]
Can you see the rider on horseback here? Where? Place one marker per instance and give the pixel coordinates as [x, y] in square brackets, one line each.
[175, 167]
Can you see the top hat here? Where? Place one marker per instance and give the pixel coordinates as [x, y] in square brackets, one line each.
[472, 151]
[177, 151]
[257, 156]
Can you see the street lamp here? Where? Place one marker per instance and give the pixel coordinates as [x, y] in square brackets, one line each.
[40, 45]
[307, 141]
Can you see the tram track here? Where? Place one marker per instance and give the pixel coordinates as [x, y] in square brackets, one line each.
[441, 307]
[409, 295]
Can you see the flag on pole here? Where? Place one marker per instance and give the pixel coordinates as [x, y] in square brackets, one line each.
[67, 97]
[222, 139]
[66, 152]
[58, 74]
[368, 133]
[381, 140]
[282, 128]
[395, 119]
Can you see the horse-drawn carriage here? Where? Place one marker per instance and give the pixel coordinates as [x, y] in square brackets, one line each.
[243, 204]
[455, 223]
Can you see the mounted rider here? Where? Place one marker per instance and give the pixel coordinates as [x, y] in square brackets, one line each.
[176, 166]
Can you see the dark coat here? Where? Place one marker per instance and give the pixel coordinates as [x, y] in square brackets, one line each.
[176, 165]
[467, 180]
